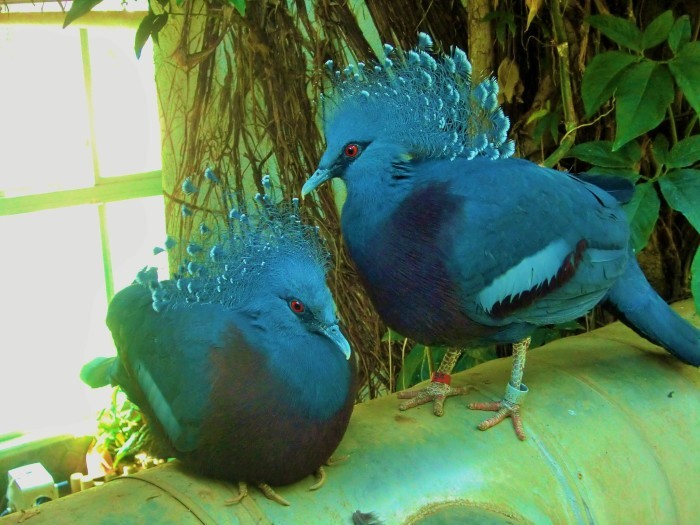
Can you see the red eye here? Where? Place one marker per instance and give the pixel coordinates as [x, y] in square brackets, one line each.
[351, 150]
[297, 306]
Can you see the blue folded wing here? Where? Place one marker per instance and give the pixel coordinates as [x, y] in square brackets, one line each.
[540, 247]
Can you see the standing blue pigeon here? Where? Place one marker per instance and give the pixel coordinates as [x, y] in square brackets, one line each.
[239, 362]
[456, 242]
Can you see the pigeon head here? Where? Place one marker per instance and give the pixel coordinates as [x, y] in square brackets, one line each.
[409, 107]
[265, 264]
[291, 295]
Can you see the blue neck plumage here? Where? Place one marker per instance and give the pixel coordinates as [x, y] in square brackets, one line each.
[310, 383]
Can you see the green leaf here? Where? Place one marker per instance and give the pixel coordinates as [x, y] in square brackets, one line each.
[411, 368]
[645, 91]
[158, 24]
[143, 33]
[548, 123]
[78, 8]
[642, 212]
[239, 5]
[658, 30]
[536, 115]
[681, 189]
[619, 30]
[660, 149]
[695, 280]
[150, 26]
[680, 34]
[600, 78]
[125, 449]
[600, 153]
[628, 174]
[474, 356]
[685, 153]
[685, 67]
[390, 335]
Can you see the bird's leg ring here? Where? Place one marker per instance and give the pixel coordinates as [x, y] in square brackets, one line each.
[439, 388]
[515, 393]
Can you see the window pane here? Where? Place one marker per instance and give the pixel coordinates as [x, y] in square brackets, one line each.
[124, 95]
[135, 228]
[54, 304]
[44, 126]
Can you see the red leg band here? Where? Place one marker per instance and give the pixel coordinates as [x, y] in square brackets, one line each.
[439, 377]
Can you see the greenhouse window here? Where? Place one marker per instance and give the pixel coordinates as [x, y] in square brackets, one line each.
[81, 204]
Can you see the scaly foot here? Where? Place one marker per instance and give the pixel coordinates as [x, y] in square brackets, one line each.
[272, 495]
[264, 488]
[502, 411]
[320, 479]
[437, 391]
[242, 493]
[320, 473]
[508, 407]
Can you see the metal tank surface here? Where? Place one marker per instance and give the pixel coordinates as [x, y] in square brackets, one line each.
[613, 428]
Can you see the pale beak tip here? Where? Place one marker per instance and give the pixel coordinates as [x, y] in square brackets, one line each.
[319, 177]
[334, 334]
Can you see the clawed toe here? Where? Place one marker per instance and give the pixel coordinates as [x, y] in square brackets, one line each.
[321, 472]
[508, 407]
[264, 488]
[320, 479]
[272, 495]
[242, 493]
[437, 391]
[337, 459]
[502, 411]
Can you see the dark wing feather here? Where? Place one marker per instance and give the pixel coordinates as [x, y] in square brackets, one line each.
[164, 358]
[619, 187]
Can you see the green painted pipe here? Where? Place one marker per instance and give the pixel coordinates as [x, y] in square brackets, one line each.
[613, 426]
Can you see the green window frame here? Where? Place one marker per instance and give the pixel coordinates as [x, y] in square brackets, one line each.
[103, 191]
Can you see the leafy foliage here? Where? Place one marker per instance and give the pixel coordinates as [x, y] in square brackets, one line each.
[152, 23]
[695, 284]
[644, 93]
[602, 78]
[239, 5]
[648, 95]
[546, 122]
[79, 8]
[149, 27]
[685, 67]
[643, 87]
[504, 22]
[421, 361]
[122, 431]
[642, 212]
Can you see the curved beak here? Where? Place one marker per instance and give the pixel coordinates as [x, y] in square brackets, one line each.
[319, 177]
[333, 333]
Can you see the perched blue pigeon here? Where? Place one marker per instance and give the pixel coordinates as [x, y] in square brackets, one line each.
[238, 363]
[456, 242]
